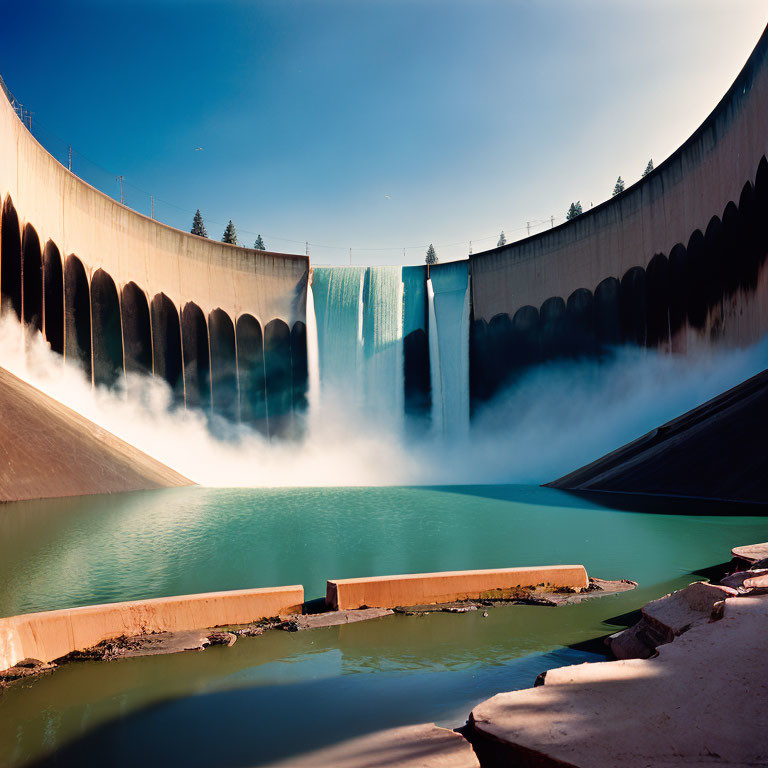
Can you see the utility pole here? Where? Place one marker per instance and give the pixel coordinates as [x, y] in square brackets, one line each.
[350, 257]
[306, 245]
[528, 224]
[470, 247]
[152, 206]
[69, 163]
[120, 179]
[552, 221]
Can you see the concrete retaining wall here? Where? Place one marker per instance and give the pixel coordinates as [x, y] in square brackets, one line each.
[447, 586]
[51, 634]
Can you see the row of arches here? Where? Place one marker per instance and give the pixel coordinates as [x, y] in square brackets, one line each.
[645, 306]
[239, 370]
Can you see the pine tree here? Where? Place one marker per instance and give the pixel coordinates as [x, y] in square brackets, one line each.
[431, 257]
[619, 188]
[198, 228]
[259, 244]
[574, 211]
[502, 239]
[648, 168]
[229, 236]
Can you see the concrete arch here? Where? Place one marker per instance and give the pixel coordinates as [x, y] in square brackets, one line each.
[749, 247]
[224, 394]
[137, 330]
[698, 279]
[77, 314]
[761, 204]
[197, 357]
[499, 352]
[552, 328]
[106, 336]
[53, 297]
[525, 336]
[32, 278]
[250, 368]
[607, 313]
[166, 344]
[633, 307]
[731, 240]
[580, 323]
[714, 263]
[10, 259]
[657, 300]
[277, 367]
[678, 287]
[416, 383]
[479, 385]
[299, 370]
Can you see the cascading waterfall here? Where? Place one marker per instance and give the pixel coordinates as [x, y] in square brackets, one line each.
[448, 297]
[358, 327]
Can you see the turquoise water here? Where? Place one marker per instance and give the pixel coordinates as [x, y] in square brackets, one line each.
[69, 552]
[281, 694]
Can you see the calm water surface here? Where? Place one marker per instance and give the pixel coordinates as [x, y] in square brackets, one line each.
[281, 694]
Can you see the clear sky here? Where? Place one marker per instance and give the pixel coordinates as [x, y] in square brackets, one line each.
[372, 124]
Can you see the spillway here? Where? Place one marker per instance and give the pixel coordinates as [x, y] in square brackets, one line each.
[448, 300]
[358, 318]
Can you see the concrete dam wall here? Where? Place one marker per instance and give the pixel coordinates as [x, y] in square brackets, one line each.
[117, 292]
[675, 261]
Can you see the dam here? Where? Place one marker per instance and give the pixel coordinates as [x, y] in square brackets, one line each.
[321, 424]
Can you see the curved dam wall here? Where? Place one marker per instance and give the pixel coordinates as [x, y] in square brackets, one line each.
[675, 261]
[118, 292]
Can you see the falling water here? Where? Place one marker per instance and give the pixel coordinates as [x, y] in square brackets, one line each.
[358, 316]
[313, 359]
[448, 297]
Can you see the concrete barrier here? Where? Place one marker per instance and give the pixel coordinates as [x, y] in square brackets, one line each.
[447, 586]
[51, 634]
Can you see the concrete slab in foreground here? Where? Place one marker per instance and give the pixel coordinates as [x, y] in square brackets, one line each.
[414, 746]
[449, 586]
[700, 702]
[49, 635]
[48, 450]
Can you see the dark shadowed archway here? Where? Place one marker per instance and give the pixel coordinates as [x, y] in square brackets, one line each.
[499, 360]
[277, 366]
[580, 323]
[657, 298]
[299, 369]
[634, 322]
[10, 259]
[731, 241]
[32, 278]
[698, 275]
[607, 310]
[223, 365]
[107, 337]
[761, 209]
[479, 385]
[678, 287]
[552, 328]
[53, 297]
[749, 240]
[250, 366]
[197, 361]
[166, 344]
[137, 330]
[77, 314]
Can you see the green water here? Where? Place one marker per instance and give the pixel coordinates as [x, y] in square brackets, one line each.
[280, 694]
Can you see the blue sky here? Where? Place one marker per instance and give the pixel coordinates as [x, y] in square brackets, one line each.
[471, 116]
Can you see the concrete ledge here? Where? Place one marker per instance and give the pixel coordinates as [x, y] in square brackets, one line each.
[449, 586]
[50, 635]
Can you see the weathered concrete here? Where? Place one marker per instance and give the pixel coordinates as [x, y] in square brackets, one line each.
[449, 586]
[48, 450]
[751, 553]
[50, 635]
[713, 451]
[412, 746]
[699, 702]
